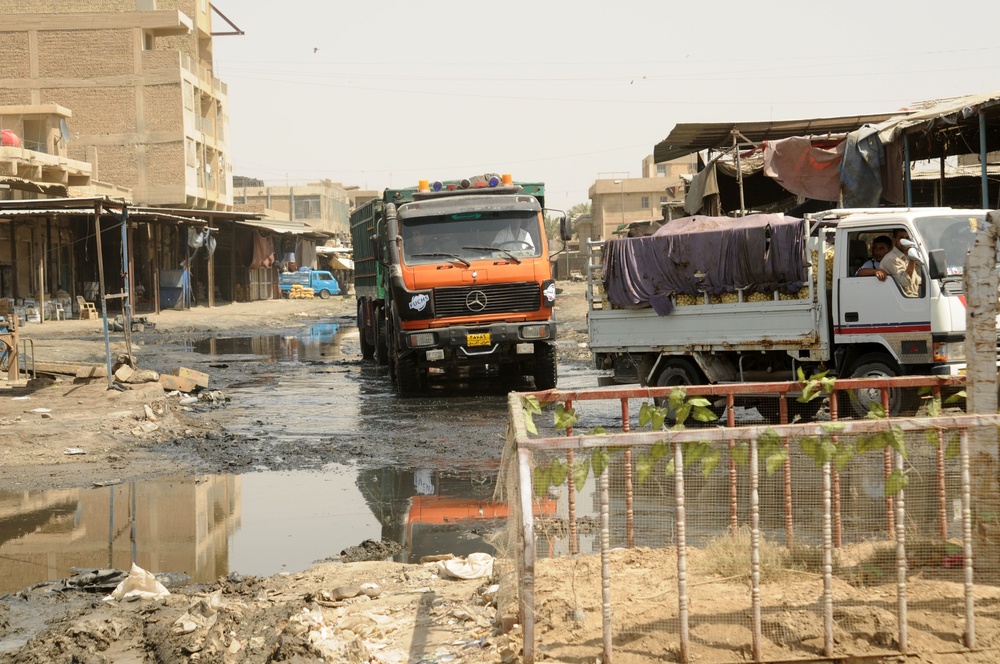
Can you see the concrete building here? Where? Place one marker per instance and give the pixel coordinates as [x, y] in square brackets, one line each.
[147, 112]
[323, 206]
[617, 202]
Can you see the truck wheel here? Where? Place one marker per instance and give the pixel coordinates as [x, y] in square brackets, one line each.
[324, 294]
[546, 371]
[407, 375]
[872, 365]
[367, 348]
[676, 372]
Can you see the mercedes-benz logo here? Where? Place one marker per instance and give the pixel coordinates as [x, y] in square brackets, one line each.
[475, 300]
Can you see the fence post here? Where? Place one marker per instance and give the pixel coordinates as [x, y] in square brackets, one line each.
[527, 589]
[755, 548]
[970, 600]
[682, 598]
[606, 564]
[827, 565]
[901, 609]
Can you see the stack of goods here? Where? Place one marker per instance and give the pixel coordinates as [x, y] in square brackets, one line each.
[300, 292]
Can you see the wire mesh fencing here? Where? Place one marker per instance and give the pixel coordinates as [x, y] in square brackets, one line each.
[666, 537]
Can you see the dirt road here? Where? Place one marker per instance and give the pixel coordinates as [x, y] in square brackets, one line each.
[60, 432]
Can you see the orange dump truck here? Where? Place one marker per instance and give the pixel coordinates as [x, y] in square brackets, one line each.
[453, 281]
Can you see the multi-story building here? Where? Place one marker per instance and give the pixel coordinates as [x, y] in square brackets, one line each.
[323, 206]
[148, 112]
[618, 202]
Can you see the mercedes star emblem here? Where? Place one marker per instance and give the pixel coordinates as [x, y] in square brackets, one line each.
[476, 300]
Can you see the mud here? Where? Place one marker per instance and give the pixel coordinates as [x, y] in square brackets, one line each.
[288, 392]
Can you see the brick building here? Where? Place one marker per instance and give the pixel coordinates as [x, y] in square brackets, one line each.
[148, 113]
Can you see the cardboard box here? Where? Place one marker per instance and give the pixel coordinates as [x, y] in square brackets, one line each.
[200, 379]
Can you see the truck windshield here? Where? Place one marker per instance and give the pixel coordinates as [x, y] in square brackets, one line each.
[471, 237]
[954, 233]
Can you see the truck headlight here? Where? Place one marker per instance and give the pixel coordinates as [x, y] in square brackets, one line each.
[422, 339]
[535, 332]
[945, 351]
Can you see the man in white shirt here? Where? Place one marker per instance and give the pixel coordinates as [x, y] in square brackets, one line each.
[514, 237]
[902, 269]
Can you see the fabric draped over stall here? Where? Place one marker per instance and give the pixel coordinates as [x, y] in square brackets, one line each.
[803, 169]
[861, 170]
[254, 250]
[714, 255]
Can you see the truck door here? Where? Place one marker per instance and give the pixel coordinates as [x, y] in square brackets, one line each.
[873, 311]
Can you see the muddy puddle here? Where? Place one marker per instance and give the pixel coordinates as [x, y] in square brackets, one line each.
[317, 454]
[198, 529]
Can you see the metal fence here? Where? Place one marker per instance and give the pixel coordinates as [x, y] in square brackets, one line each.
[676, 539]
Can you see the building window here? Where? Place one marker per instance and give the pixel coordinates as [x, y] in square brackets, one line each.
[645, 202]
[663, 200]
[307, 207]
[147, 41]
[661, 170]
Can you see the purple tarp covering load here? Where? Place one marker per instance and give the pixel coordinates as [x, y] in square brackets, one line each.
[759, 253]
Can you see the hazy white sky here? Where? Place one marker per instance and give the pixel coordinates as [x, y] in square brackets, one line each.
[382, 93]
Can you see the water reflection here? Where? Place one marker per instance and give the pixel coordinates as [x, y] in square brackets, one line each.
[177, 526]
[321, 341]
[259, 523]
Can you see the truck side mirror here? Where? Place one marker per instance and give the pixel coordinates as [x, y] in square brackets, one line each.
[914, 256]
[938, 266]
[565, 229]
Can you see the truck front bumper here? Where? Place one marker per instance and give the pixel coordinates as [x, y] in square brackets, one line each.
[477, 342]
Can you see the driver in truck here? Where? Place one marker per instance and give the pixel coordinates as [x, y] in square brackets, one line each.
[514, 237]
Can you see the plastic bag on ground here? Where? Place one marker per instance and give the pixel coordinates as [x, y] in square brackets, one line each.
[475, 566]
[139, 583]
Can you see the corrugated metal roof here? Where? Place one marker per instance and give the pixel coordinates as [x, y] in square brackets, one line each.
[86, 212]
[687, 138]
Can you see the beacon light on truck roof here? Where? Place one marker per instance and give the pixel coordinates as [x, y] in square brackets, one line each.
[489, 180]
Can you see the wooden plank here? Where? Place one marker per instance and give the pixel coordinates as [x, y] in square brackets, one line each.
[200, 378]
[171, 382]
[70, 368]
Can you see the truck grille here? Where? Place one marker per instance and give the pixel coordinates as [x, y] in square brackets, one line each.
[486, 299]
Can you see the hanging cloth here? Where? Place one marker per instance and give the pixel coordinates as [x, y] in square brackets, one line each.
[803, 169]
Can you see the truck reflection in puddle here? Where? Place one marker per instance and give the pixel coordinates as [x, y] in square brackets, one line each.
[430, 513]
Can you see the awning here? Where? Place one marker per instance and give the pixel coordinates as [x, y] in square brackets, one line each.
[341, 263]
[688, 138]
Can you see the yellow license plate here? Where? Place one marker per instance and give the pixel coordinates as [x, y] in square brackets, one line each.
[481, 339]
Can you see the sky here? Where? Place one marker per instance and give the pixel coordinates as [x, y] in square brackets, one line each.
[379, 93]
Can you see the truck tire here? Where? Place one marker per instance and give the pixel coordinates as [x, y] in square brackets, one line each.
[675, 372]
[873, 365]
[324, 294]
[367, 348]
[546, 371]
[407, 375]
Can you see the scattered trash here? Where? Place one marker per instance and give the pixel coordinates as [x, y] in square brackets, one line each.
[475, 566]
[40, 410]
[21, 399]
[187, 401]
[139, 584]
[71, 451]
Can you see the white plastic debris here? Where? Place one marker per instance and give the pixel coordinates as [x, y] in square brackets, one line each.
[21, 399]
[139, 583]
[187, 401]
[71, 451]
[475, 566]
[41, 410]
